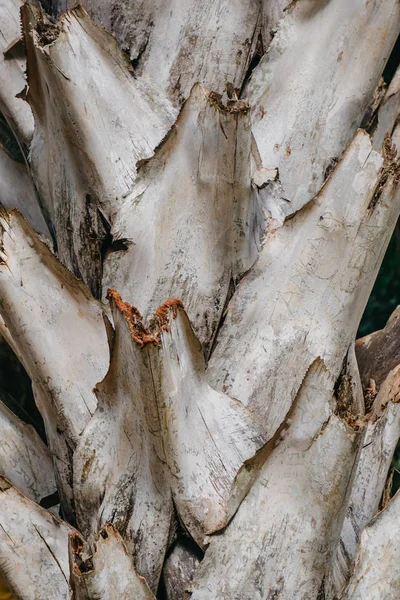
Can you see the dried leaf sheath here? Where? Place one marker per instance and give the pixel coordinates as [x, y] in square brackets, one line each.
[100, 142]
[57, 330]
[210, 440]
[128, 466]
[108, 573]
[119, 463]
[24, 459]
[33, 548]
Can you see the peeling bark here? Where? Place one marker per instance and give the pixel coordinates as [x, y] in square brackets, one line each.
[208, 43]
[305, 111]
[361, 168]
[380, 440]
[376, 571]
[180, 219]
[294, 303]
[17, 191]
[118, 465]
[24, 459]
[276, 544]
[58, 332]
[12, 68]
[33, 548]
[210, 440]
[120, 123]
[389, 110]
[184, 442]
[208, 154]
[379, 443]
[379, 353]
[109, 573]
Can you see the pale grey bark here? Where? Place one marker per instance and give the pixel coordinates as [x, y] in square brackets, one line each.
[99, 160]
[16, 186]
[119, 462]
[179, 568]
[215, 178]
[17, 191]
[306, 110]
[376, 571]
[12, 67]
[210, 42]
[379, 443]
[210, 440]
[109, 573]
[58, 331]
[295, 303]
[24, 459]
[33, 548]
[278, 544]
[379, 360]
[180, 219]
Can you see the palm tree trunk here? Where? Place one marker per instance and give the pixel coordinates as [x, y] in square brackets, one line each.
[207, 193]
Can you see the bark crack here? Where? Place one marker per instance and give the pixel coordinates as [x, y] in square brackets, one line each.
[390, 169]
[51, 551]
[258, 53]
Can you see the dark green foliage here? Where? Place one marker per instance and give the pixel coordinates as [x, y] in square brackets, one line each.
[385, 295]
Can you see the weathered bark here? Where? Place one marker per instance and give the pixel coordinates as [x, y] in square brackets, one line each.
[295, 304]
[376, 572]
[204, 174]
[191, 257]
[33, 548]
[378, 356]
[379, 443]
[120, 123]
[24, 459]
[210, 440]
[16, 121]
[12, 67]
[119, 461]
[58, 331]
[306, 110]
[17, 191]
[211, 43]
[179, 568]
[379, 353]
[155, 408]
[276, 544]
[109, 573]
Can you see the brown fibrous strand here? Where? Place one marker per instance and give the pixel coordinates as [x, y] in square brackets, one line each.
[140, 334]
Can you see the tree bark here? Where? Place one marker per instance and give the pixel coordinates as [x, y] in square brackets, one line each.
[210, 190]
